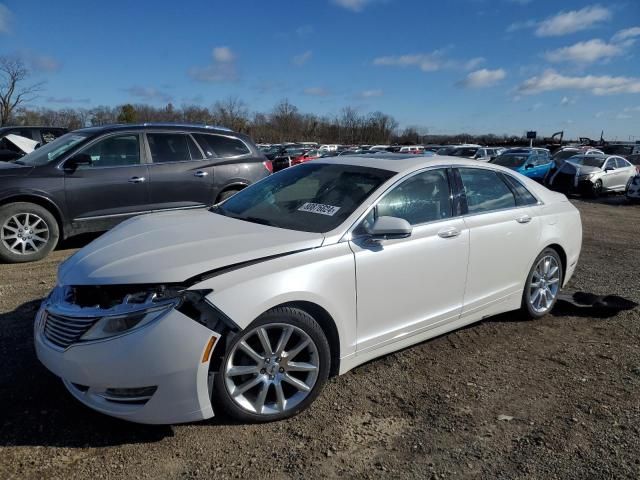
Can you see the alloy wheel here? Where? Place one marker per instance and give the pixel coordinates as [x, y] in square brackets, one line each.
[24, 233]
[545, 283]
[272, 369]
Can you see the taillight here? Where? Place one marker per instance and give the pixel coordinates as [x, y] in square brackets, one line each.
[268, 165]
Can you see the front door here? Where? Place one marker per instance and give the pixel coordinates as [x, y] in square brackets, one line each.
[113, 186]
[179, 175]
[415, 283]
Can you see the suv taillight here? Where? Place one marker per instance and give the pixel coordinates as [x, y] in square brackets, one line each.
[268, 165]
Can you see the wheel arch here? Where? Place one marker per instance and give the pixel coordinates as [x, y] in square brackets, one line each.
[563, 257]
[231, 186]
[43, 202]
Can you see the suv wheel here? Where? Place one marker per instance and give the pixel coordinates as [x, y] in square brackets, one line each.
[226, 194]
[28, 232]
[275, 368]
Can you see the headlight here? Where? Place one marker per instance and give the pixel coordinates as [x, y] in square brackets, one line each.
[587, 176]
[111, 326]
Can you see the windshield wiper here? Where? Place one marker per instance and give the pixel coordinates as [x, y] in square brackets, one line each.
[259, 220]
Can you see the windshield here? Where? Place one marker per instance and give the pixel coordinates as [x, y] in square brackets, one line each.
[511, 160]
[464, 152]
[588, 161]
[312, 197]
[53, 150]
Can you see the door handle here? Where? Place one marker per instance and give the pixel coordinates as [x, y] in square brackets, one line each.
[523, 219]
[200, 174]
[450, 232]
[136, 180]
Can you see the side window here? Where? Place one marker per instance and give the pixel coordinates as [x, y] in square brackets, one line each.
[485, 190]
[25, 133]
[168, 147]
[116, 151]
[425, 197]
[620, 163]
[50, 135]
[219, 146]
[523, 196]
[611, 163]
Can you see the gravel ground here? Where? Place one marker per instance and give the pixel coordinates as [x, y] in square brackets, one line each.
[505, 398]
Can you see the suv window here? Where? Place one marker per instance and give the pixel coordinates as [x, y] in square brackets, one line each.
[172, 147]
[50, 135]
[115, 151]
[485, 190]
[425, 197]
[219, 146]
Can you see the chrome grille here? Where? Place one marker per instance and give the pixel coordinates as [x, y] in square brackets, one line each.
[63, 331]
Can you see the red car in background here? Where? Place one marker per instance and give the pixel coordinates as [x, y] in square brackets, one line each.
[305, 157]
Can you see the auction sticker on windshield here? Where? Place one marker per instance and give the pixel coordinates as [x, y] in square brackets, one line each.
[319, 208]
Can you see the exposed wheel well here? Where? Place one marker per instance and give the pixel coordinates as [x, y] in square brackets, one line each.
[43, 202]
[563, 257]
[328, 326]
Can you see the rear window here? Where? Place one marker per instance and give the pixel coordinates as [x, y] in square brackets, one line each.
[220, 146]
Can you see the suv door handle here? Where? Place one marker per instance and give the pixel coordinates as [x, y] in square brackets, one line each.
[136, 180]
[523, 219]
[450, 232]
[200, 174]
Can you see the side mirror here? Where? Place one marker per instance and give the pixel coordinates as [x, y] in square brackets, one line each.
[385, 228]
[529, 166]
[608, 169]
[77, 160]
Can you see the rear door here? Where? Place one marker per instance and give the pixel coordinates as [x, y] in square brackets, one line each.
[503, 238]
[179, 175]
[113, 186]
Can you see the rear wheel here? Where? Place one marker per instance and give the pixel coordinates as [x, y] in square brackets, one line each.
[275, 368]
[543, 284]
[226, 194]
[28, 232]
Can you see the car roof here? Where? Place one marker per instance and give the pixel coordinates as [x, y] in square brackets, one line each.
[401, 163]
[148, 126]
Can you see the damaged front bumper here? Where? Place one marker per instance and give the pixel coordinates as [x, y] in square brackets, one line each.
[158, 373]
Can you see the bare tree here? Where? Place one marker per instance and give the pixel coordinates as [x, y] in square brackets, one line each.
[13, 73]
[231, 113]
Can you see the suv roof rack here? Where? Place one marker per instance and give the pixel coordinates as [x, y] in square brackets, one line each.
[201, 125]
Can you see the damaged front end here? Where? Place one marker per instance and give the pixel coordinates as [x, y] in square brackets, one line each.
[146, 353]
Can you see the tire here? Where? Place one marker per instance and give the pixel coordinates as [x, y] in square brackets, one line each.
[533, 305]
[226, 194]
[251, 403]
[596, 189]
[17, 244]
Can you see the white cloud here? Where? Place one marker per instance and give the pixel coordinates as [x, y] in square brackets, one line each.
[598, 115]
[149, 94]
[626, 34]
[305, 30]
[483, 78]
[564, 23]
[221, 69]
[585, 52]
[223, 54]
[316, 91]
[566, 101]
[5, 20]
[302, 58]
[632, 109]
[536, 106]
[551, 80]
[520, 2]
[572, 21]
[427, 62]
[353, 5]
[623, 116]
[67, 100]
[371, 93]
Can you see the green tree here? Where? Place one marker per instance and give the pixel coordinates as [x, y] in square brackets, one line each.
[127, 114]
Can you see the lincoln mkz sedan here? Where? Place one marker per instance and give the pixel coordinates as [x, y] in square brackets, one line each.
[251, 305]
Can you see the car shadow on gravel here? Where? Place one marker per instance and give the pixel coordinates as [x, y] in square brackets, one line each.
[36, 408]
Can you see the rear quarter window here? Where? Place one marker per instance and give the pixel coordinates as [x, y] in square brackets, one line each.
[221, 146]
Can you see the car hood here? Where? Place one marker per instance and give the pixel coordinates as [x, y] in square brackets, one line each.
[9, 169]
[173, 247]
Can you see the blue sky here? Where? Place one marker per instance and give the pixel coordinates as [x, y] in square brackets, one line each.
[479, 66]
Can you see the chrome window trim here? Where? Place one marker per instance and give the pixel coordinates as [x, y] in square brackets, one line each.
[249, 151]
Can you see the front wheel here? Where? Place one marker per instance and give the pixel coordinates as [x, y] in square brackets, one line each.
[28, 232]
[543, 284]
[596, 189]
[275, 368]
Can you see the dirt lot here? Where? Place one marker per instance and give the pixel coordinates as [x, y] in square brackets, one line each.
[571, 382]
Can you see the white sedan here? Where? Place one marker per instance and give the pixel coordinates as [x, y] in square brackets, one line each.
[305, 274]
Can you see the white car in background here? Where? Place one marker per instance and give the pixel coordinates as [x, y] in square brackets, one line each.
[305, 274]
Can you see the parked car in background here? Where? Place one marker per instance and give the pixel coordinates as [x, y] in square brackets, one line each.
[306, 274]
[634, 159]
[482, 154]
[284, 158]
[36, 136]
[567, 152]
[380, 148]
[528, 162]
[591, 174]
[633, 189]
[412, 149]
[91, 179]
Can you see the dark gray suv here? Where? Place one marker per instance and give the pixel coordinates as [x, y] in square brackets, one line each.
[91, 179]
